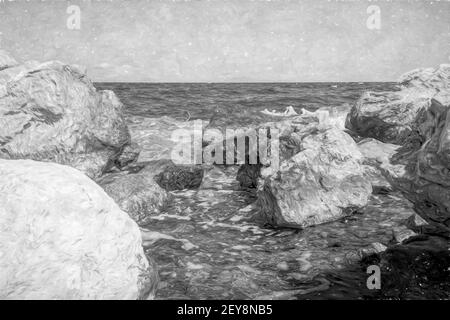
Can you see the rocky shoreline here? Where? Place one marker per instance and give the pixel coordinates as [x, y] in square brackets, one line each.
[80, 187]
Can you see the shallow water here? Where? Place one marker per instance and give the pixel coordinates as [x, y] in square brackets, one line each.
[217, 251]
[207, 244]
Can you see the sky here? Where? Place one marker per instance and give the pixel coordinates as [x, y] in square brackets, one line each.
[231, 40]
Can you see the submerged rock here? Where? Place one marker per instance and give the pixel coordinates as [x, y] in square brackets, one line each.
[398, 117]
[416, 270]
[52, 112]
[402, 234]
[141, 189]
[62, 237]
[321, 183]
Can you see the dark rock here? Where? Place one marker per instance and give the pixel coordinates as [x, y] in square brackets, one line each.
[128, 156]
[416, 270]
[176, 177]
[248, 175]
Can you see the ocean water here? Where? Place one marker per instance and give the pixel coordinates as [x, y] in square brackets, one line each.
[238, 102]
[206, 244]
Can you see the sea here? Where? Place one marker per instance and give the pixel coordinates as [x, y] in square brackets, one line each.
[207, 246]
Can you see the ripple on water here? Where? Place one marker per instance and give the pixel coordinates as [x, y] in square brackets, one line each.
[230, 256]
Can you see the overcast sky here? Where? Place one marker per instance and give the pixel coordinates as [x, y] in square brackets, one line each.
[231, 41]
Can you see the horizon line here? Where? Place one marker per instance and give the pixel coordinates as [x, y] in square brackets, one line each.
[239, 82]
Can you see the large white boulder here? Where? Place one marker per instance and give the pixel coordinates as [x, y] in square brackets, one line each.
[51, 112]
[63, 237]
[322, 181]
[403, 115]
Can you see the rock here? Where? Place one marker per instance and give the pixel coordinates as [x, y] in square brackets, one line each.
[62, 237]
[402, 234]
[399, 116]
[248, 175]
[378, 247]
[136, 192]
[376, 154]
[321, 183]
[52, 112]
[141, 189]
[380, 185]
[422, 175]
[170, 176]
[375, 151]
[417, 118]
[129, 155]
[415, 222]
[283, 266]
[387, 116]
[416, 270]
[176, 177]
[6, 61]
[428, 78]
[373, 248]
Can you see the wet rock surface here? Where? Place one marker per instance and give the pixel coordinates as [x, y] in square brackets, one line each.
[245, 260]
[418, 269]
[62, 237]
[248, 175]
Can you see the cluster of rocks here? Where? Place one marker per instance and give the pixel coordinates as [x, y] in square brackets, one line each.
[416, 155]
[392, 141]
[411, 152]
[72, 192]
[319, 176]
